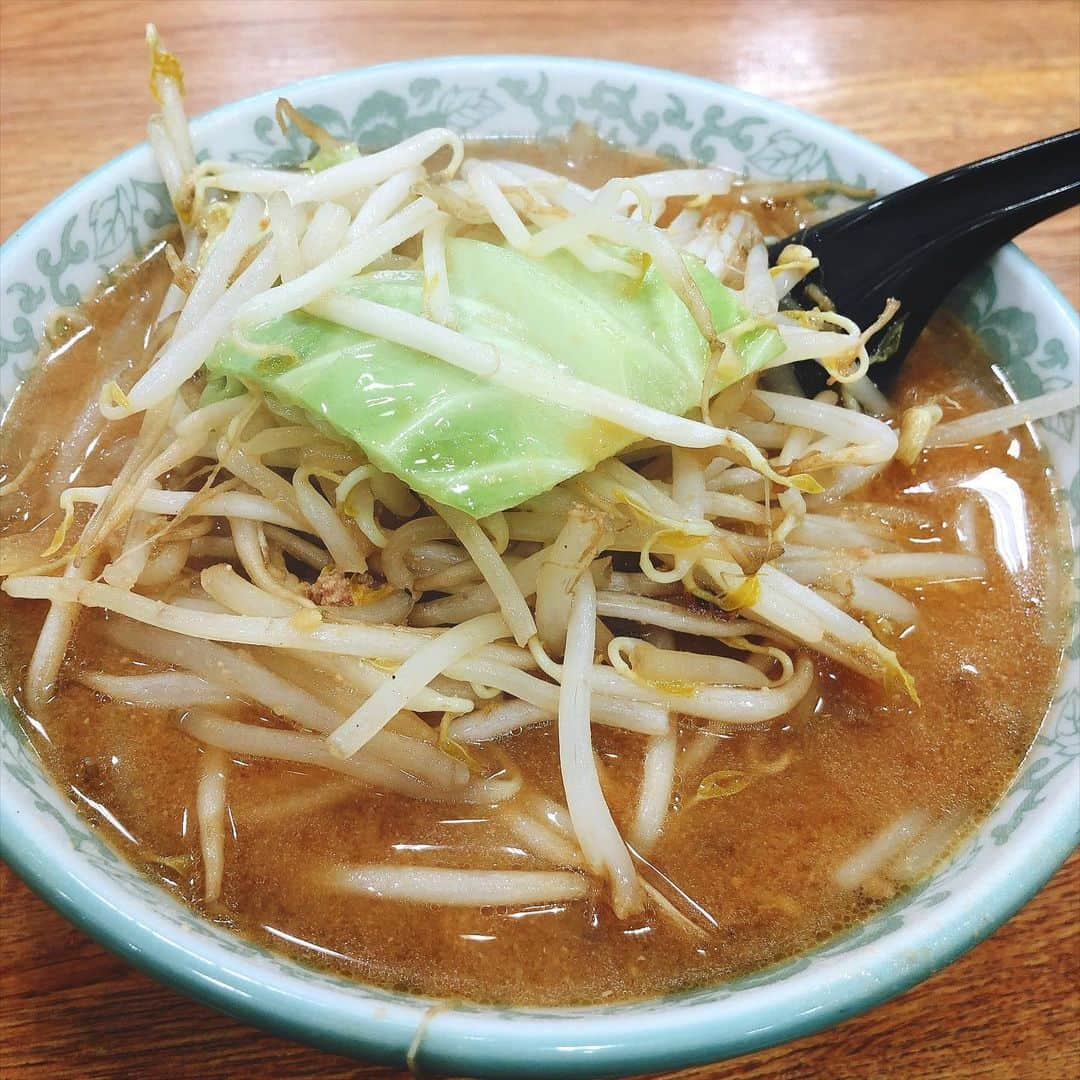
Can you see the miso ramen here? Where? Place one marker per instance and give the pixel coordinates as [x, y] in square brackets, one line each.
[427, 563]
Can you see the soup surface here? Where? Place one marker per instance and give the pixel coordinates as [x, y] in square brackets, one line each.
[768, 868]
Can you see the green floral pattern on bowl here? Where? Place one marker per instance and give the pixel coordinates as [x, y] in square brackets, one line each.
[1026, 326]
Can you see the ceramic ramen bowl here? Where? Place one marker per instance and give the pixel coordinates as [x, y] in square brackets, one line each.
[1021, 321]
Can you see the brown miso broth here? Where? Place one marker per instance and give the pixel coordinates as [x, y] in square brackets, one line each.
[807, 791]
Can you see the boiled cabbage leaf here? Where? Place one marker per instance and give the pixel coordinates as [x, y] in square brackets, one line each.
[460, 439]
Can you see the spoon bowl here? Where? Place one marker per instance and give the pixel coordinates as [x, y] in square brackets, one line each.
[915, 244]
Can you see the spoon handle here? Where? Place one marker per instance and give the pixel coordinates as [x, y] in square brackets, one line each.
[917, 243]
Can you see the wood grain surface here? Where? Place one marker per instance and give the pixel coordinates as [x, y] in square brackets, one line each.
[936, 82]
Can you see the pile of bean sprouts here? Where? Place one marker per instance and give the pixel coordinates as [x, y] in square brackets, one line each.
[254, 558]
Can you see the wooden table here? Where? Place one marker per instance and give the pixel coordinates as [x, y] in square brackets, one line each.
[937, 81]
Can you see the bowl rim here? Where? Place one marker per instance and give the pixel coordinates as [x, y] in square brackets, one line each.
[489, 1041]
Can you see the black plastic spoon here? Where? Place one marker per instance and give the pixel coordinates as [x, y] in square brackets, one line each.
[915, 244]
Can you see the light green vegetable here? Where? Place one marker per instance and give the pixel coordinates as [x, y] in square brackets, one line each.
[324, 157]
[469, 443]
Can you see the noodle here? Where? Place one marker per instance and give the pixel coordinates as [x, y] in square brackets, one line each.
[168, 690]
[210, 810]
[413, 675]
[657, 782]
[494, 571]
[470, 888]
[603, 847]
[262, 742]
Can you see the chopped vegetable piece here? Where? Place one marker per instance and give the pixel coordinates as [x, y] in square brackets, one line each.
[471, 444]
[324, 157]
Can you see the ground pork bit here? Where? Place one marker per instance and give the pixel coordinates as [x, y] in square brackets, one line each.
[335, 588]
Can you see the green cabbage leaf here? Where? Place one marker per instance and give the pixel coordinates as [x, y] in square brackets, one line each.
[465, 441]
